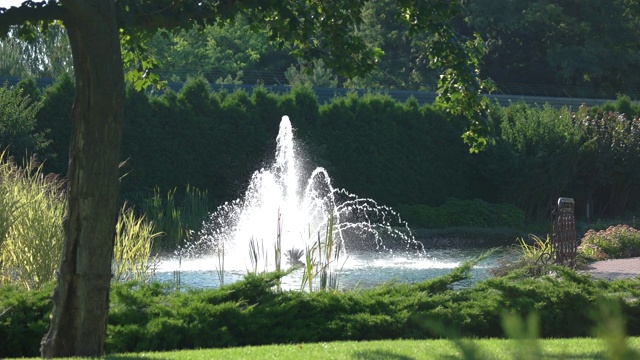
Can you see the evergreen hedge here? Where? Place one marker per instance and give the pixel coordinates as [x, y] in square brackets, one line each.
[373, 146]
[248, 312]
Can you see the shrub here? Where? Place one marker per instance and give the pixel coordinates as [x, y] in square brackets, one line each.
[620, 241]
[24, 319]
[468, 213]
[18, 122]
[146, 317]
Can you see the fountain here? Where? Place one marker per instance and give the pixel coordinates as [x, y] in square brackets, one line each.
[305, 220]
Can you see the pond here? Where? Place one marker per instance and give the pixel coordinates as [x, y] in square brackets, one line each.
[286, 210]
[361, 270]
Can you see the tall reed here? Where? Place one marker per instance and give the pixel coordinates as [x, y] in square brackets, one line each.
[31, 233]
[176, 219]
[257, 255]
[322, 260]
[220, 266]
[132, 259]
[33, 206]
[277, 248]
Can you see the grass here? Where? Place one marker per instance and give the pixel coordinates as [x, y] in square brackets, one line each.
[32, 207]
[577, 348]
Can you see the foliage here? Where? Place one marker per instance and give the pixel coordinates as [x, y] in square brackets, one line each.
[322, 260]
[132, 258]
[572, 59]
[24, 318]
[31, 234]
[216, 52]
[534, 160]
[539, 251]
[620, 241]
[609, 161]
[315, 75]
[46, 55]
[249, 312]
[53, 120]
[175, 219]
[31, 216]
[537, 257]
[563, 43]
[410, 154]
[18, 122]
[469, 213]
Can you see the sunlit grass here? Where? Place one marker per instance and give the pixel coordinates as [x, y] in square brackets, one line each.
[579, 348]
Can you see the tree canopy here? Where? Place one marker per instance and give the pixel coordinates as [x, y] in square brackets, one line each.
[106, 36]
[588, 47]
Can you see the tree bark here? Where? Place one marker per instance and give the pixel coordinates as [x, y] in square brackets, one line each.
[81, 298]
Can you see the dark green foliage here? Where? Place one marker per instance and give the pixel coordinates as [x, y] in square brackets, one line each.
[534, 160]
[539, 43]
[373, 146]
[176, 218]
[456, 213]
[55, 119]
[216, 140]
[24, 319]
[609, 164]
[392, 152]
[252, 312]
[18, 108]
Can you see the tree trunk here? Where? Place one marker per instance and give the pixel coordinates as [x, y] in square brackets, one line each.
[81, 298]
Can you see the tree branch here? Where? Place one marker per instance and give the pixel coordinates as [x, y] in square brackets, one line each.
[150, 15]
[30, 12]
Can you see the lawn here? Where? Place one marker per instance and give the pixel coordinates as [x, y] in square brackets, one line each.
[577, 348]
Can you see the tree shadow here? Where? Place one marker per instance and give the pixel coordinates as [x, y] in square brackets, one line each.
[380, 354]
[130, 357]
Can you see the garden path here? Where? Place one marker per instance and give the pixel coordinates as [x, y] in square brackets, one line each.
[615, 269]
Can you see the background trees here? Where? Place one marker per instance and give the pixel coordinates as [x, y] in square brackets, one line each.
[573, 48]
[44, 55]
[96, 28]
[587, 48]
[395, 153]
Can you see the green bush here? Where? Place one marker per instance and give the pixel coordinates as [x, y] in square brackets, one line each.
[251, 312]
[18, 111]
[620, 241]
[54, 119]
[533, 161]
[463, 213]
[24, 320]
[409, 154]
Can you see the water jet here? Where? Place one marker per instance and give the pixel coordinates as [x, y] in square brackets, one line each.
[285, 214]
